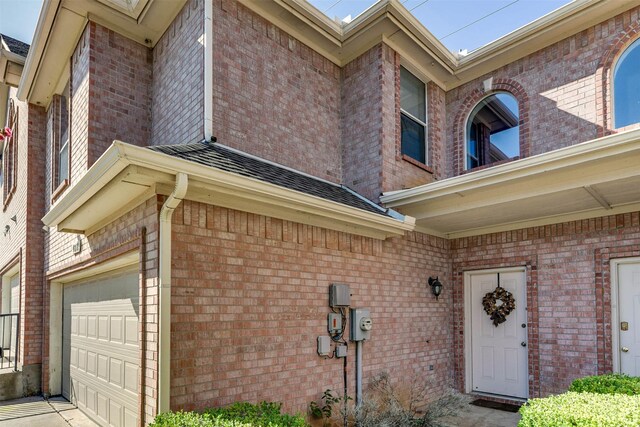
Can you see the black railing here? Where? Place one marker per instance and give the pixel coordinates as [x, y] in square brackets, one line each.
[9, 327]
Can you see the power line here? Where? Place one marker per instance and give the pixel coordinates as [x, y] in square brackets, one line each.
[417, 6]
[479, 19]
[331, 7]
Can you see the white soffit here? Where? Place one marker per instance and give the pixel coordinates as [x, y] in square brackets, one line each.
[126, 175]
[60, 27]
[596, 178]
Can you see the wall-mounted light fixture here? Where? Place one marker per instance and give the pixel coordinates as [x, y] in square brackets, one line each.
[436, 286]
[15, 219]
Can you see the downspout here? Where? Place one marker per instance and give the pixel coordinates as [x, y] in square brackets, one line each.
[164, 344]
[208, 70]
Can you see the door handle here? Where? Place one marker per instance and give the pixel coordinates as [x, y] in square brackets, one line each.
[524, 344]
[625, 349]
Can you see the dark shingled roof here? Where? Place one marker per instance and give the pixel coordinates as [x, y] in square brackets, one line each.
[220, 157]
[15, 46]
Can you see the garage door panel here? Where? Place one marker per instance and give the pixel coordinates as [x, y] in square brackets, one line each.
[101, 348]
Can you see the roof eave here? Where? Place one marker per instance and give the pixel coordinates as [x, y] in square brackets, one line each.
[213, 186]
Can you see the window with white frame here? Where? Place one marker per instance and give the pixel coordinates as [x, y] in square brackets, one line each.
[61, 140]
[413, 116]
[626, 87]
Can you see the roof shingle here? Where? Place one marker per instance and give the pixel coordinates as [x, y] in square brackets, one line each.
[220, 157]
[15, 46]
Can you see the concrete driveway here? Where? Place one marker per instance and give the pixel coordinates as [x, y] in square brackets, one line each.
[37, 412]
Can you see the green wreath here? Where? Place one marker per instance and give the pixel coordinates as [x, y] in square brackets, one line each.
[497, 312]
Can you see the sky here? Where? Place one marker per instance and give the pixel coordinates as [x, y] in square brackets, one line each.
[441, 17]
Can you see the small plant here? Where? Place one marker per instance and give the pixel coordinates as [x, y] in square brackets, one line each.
[325, 411]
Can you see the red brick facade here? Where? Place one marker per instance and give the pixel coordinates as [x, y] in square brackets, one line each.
[249, 292]
[567, 85]
[244, 326]
[22, 239]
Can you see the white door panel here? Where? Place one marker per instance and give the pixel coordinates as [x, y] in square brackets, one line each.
[629, 306]
[100, 348]
[499, 361]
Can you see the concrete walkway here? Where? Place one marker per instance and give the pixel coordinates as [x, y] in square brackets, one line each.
[475, 416]
[38, 412]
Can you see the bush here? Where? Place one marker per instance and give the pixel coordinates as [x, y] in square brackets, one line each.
[181, 419]
[607, 384]
[582, 410]
[264, 414]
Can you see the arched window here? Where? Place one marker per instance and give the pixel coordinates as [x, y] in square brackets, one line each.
[493, 133]
[626, 87]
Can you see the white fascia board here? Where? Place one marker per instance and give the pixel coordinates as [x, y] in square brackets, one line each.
[546, 162]
[120, 155]
[108, 166]
[38, 45]
[303, 202]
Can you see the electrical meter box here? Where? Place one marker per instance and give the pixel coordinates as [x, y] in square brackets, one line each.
[360, 324]
[339, 295]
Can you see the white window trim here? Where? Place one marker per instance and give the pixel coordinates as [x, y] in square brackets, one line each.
[417, 120]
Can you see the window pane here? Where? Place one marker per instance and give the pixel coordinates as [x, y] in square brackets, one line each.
[493, 131]
[63, 162]
[412, 139]
[64, 116]
[626, 87]
[412, 99]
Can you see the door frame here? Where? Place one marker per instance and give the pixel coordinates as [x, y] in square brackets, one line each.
[615, 314]
[468, 341]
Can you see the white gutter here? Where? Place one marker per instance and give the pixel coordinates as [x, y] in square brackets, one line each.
[594, 149]
[208, 70]
[36, 50]
[164, 345]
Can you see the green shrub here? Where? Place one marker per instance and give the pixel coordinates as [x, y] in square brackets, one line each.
[607, 384]
[582, 410]
[264, 414]
[181, 419]
[241, 414]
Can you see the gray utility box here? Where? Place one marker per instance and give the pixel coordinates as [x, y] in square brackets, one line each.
[360, 324]
[339, 295]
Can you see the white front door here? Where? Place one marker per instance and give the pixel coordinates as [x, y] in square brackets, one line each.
[629, 316]
[498, 353]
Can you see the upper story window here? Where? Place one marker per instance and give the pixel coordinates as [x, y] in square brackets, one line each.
[10, 156]
[626, 87]
[413, 118]
[60, 151]
[493, 133]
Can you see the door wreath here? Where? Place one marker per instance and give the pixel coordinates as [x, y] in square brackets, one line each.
[498, 312]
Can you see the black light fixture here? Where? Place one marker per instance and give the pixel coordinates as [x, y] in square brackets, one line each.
[436, 286]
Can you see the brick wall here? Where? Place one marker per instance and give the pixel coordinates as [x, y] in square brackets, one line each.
[566, 84]
[568, 300]
[250, 297]
[120, 91]
[177, 88]
[362, 120]
[273, 96]
[372, 160]
[23, 242]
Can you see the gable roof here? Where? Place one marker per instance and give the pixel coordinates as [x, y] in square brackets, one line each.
[14, 45]
[230, 160]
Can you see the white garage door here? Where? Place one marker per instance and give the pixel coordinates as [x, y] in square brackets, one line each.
[100, 348]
